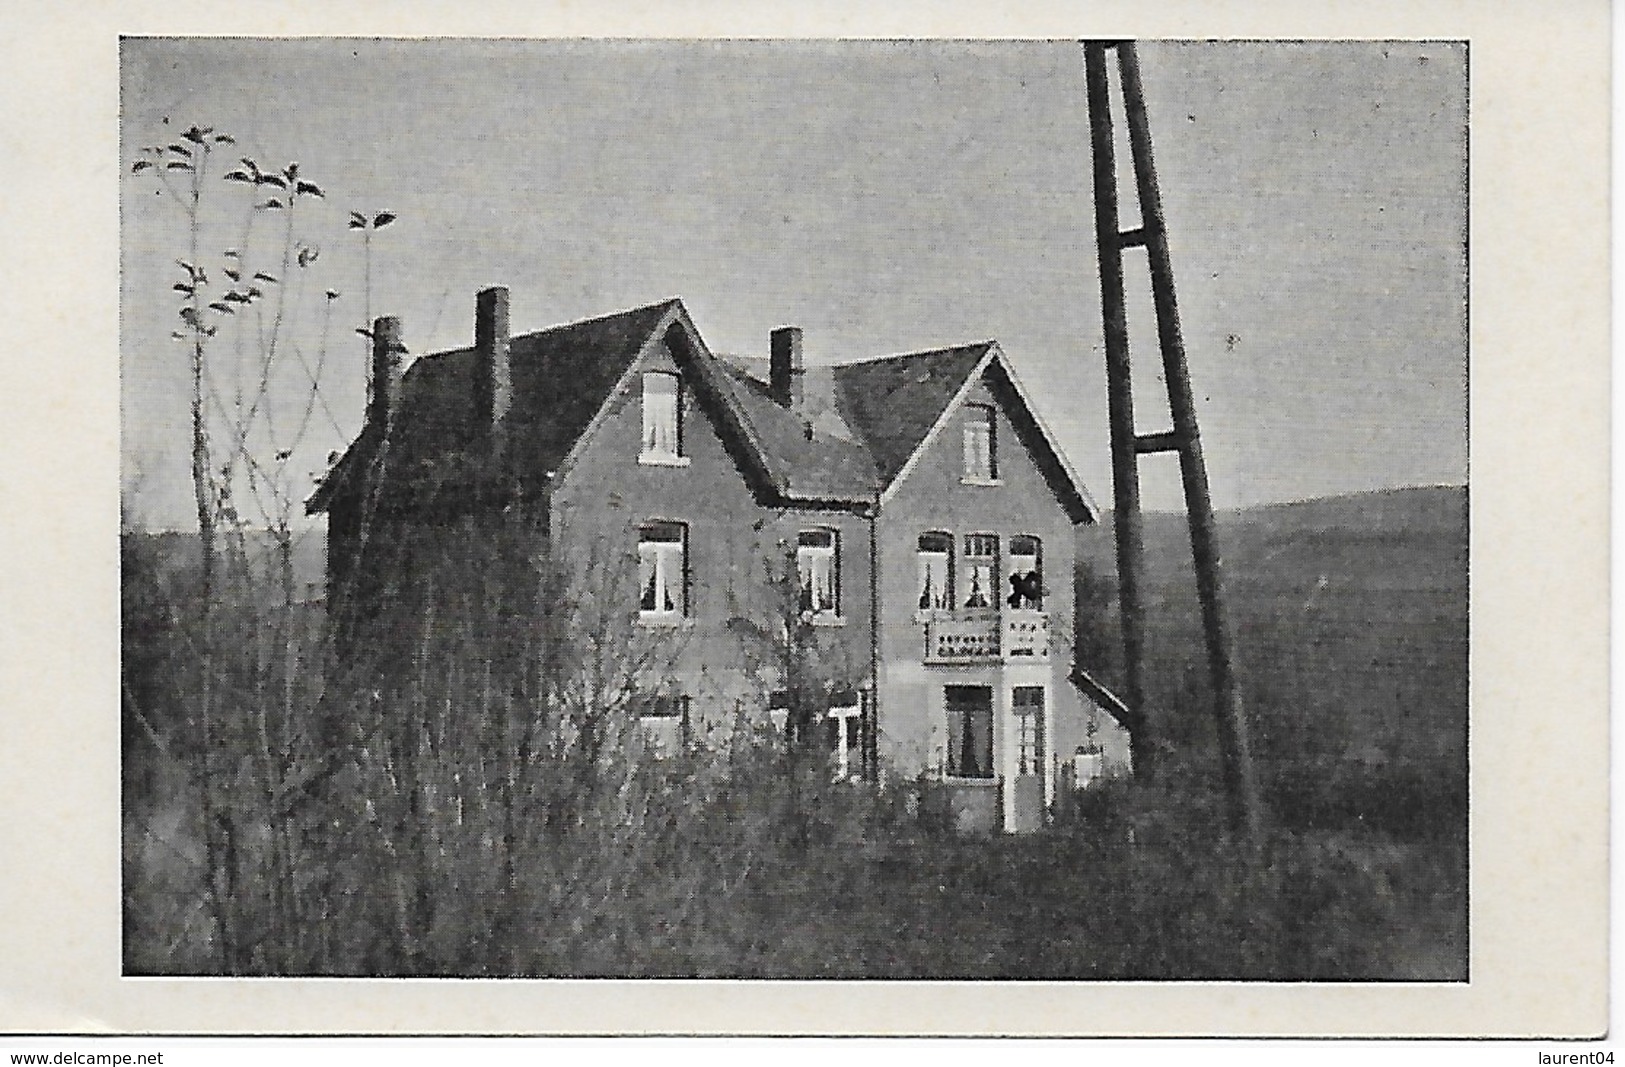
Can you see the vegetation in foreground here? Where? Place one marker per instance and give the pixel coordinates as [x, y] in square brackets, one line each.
[467, 835]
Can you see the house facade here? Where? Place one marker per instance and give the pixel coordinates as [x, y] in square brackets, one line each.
[892, 539]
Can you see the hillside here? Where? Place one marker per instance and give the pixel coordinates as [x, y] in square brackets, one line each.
[171, 559]
[1350, 620]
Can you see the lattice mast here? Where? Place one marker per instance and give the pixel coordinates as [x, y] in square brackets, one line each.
[1128, 446]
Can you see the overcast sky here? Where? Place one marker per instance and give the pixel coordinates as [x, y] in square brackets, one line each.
[884, 196]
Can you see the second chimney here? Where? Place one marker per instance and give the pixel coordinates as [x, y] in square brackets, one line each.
[386, 371]
[785, 371]
[493, 372]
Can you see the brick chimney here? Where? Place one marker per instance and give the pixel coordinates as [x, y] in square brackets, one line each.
[493, 371]
[785, 370]
[384, 393]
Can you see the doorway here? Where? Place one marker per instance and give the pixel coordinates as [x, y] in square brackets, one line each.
[1029, 759]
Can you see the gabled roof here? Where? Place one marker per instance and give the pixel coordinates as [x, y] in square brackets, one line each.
[880, 414]
[893, 402]
[561, 378]
[823, 469]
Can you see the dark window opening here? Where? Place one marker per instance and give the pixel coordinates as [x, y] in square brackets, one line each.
[970, 730]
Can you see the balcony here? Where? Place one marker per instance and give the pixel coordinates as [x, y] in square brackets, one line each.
[986, 635]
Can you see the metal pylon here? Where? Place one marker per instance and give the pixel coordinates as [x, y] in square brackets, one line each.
[1128, 446]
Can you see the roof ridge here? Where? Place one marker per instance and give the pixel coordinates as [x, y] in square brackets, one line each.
[940, 350]
[661, 304]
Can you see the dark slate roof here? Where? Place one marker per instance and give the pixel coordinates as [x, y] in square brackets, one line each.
[893, 402]
[825, 468]
[562, 376]
[877, 416]
[580, 362]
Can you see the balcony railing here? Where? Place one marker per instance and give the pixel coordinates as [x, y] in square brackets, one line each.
[985, 635]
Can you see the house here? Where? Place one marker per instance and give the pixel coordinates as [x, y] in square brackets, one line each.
[911, 513]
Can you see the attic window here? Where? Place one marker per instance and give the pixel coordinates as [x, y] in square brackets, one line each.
[981, 456]
[662, 420]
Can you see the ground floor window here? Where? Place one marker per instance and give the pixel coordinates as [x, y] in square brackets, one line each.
[970, 730]
[663, 724]
[845, 737]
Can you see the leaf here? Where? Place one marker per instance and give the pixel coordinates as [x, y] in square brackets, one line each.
[272, 204]
[182, 287]
[187, 267]
[194, 135]
[181, 150]
[358, 225]
[234, 275]
[283, 455]
[189, 314]
[292, 171]
[224, 138]
[332, 294]
[383, 218]
[227, 308]
[261, 276]
[142, 164]
[254, 290]
[233, 253]
[235, 297]
[270, 179]
[308, 187]
[238, 176]
[363, 331]
[178, 165]
[356, 216]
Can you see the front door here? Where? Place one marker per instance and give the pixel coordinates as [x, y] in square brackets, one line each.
[1027, 777]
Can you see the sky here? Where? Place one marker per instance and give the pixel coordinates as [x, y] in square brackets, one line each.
[884, 196]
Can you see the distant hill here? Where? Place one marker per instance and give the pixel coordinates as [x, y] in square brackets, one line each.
[1399, 538]
[173, 557]
[1350, 623]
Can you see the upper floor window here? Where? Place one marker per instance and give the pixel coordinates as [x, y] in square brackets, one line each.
[663, 570]
[1026, 573]
[818, 572]
[981, 566]
[662, 418]
[981, 448]
[936, 573]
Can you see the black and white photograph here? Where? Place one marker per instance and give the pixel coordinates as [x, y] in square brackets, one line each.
[985, 526]
[783, 509]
